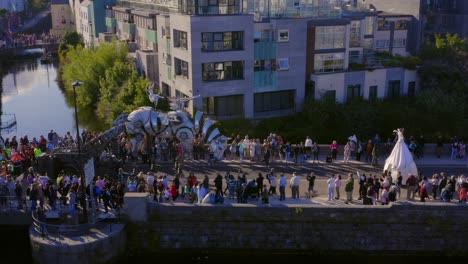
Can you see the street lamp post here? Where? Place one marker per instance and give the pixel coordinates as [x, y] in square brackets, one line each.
[78, 140]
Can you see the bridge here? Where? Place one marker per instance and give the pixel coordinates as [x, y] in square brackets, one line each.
[22, 50]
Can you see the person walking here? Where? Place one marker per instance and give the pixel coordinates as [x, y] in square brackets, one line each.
[295, 182]
[331, 187]
[272, 180]
[346, 152]
[411, 183]
[282, 182]
[311, 179]
[259, 181]
[349, 187]
[337, 186]
[315, 152]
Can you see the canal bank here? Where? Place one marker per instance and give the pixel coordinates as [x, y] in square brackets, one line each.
[233, 232]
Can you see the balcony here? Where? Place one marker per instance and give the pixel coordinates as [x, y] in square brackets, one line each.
[264, 50]
[111, 22]
[151, 36]
[264, 80]
[129, 28]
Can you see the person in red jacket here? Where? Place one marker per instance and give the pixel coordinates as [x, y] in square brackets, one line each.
[173, 191]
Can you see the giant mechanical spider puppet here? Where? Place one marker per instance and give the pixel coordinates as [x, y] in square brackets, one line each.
[149, 121]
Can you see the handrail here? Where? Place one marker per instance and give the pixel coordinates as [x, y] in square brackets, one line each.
[59, 232]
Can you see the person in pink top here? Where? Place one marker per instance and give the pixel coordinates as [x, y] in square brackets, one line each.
[334, 149]
[100, 183]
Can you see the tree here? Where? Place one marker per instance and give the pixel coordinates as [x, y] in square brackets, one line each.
[122, 90]
[3, 13]
[445, 65]
[69, 39]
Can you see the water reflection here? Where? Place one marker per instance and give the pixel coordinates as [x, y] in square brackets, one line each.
[31, 92]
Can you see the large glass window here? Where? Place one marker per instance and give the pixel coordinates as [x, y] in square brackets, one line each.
[373, 92]
[218, 71]
[214, 7]
[273, 101]
[224, 105]
[354, 56]
[310, 90]
[264, 65]
[385, 25]
[181, 67]
[222, 41]
[369, 26]
[394, 88]
[401, 25]
[382, 43]
[329, 62]
[399, 43]
[354, 91]
[355, 34]
[411, 88]
[180, 39]
[329, 95]
[330, 37]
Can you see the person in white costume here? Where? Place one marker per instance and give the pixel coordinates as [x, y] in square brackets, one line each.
[400, 159]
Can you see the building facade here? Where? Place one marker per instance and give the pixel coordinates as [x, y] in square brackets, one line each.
[429, 17]
[62, 17]
[257, 59]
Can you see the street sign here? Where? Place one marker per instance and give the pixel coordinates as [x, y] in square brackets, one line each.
[89, 171]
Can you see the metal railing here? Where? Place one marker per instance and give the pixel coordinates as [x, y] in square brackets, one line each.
[60, 232]
[11, 203]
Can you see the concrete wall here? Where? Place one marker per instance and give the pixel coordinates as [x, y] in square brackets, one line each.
[395, 230]
[339, 81]
[99, 247]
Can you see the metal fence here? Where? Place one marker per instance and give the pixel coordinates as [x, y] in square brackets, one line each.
[12, 203]
[61, 232]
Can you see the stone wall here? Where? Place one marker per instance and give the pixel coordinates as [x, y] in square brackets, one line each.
[100, 246]
[395, 230]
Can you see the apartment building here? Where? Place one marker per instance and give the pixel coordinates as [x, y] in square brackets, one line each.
[257, 59]
[429, 17]
[62, 17]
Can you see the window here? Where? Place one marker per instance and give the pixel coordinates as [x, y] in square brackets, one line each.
[355, 34]
[224, 105]
[166, 89]
[373, 92]
[401, 25]
[165, 32]
[394, 89]
[181, 67]
[222, 41]
[167, 59]
[264, 35]
[310, 90]
[330, 37]
[218, 71]
[385, 25]
[354, 56]
[329, 95]
[264, 65]
[180, 39]
[369, 26]
[274, 101]
[215, 7]
[354, 91]
[283, 64]
[399, 43]
[411, 89]
[283, 35]
[382, 43]
[329, 62]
